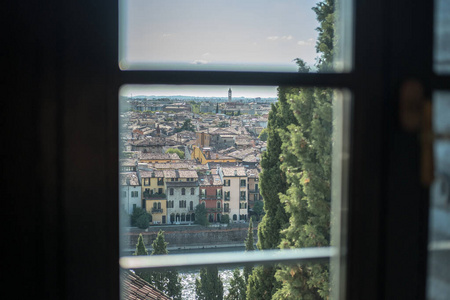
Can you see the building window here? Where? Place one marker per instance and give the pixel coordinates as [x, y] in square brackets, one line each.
[183, 191]
[243, 182]
[192, 191]
[171, 191]
[146, 181]
[242, 197]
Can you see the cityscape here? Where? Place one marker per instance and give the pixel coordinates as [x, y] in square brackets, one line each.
[179, 154]
[182, 152]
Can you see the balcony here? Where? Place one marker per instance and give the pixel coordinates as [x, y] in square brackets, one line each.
[157, 210]
[226, 209]
[214, 210]
[243, 198]
[226, 198]
[148, 196]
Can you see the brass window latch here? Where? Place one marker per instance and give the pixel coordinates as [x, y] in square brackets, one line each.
[415, 115]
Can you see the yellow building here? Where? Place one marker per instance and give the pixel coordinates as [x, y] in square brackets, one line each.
[153, 195]
[205, 155]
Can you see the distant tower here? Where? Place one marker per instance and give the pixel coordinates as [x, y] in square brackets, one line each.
[229, 95]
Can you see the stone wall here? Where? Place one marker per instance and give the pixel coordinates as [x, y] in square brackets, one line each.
[191, 236]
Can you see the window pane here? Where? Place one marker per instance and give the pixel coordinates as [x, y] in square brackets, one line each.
[439, 226]
[272, 152]
[442, 37]
[236, 35]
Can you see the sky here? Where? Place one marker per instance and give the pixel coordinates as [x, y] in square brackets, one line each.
[250, 35]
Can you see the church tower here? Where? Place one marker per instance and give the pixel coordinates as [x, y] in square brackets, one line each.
[229, 95]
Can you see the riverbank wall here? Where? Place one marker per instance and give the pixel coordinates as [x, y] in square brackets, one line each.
[189, 236]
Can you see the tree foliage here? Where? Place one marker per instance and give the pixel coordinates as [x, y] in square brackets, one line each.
[209, 286]
[187, 125]
[261, 284]
[140, 218]
[273, 183]
[306, 161]
[177, 151]
[201, 215]
[238, 288]
[167, 281]
[249, 246]
[263, 135]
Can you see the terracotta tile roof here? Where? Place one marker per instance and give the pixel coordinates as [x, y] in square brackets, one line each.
[127, 162]
[129, 178]
[169, 174]
[133, 287]
[234, 171]
[187, 174]
[152, 156]
[146, 174]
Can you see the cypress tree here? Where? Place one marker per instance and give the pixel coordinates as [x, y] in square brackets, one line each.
[140, 246]
[306, 156]
[165, 281]
[249, 247]
[273, 183]
[237, 287]
[142, 250]
[210, 285]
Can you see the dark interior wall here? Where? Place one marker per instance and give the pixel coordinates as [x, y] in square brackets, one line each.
[59, 156]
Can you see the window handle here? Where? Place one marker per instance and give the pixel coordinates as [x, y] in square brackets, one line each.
[416, 117]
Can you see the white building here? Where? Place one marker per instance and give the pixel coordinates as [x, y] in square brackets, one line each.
[235, 192]
[182, 191]
[130, 191]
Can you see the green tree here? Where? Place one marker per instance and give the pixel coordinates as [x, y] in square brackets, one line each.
[142, 250]
[249, 246]
[201, 215]
[261, 284]
[258, 209]
[166, 281]
[238, 288]
[177, 151]
[273, 183]
[140, 218]
[306, 156]
[225, 219]
[209, 286]
[263, 135]
[187, 125]
[223, 124]
[140, 246]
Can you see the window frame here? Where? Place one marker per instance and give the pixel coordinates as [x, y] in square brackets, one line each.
[87, 61]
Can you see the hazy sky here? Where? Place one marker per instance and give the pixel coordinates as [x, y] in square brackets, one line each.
[252, 35]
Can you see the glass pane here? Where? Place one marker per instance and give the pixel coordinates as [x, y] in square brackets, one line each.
[442, 37]
[213, 169]
[439, 224]
[236, 35]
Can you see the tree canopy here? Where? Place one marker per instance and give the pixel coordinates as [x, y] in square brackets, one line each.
[209, 286]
